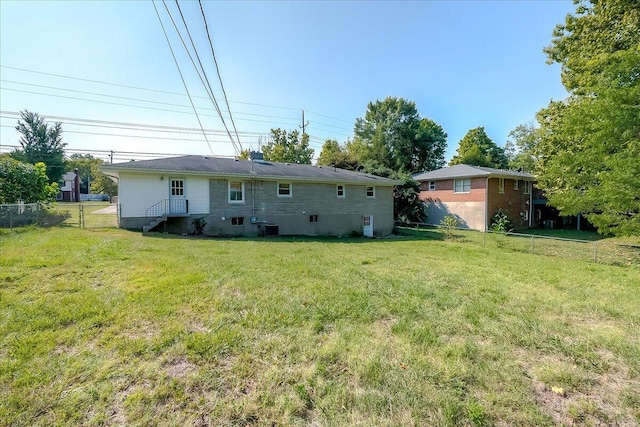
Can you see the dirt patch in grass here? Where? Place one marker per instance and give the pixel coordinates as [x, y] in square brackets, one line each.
[180, 368]
[593, 399]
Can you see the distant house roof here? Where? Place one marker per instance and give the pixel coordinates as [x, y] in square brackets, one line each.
[219, 166]
[467, 171]
[69, 176]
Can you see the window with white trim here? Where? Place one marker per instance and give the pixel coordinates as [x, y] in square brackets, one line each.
[340, 191]
[284, 189]
[432, 185]
[462, 185]
[371, 192]
[526, 187]
[236, 192]
[500, 185]
[516, 184]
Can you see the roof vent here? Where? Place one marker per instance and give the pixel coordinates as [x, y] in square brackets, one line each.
[235, 160]
[288, 164]
[205, 157]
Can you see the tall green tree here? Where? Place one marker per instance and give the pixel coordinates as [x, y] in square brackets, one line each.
[477, 149]
[41, 142]
[24, 181]
[291, 147]
[589, 147]
[520, 148]
[334, 154]
[393, 135]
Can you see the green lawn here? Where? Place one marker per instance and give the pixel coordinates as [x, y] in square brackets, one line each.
[106, 327]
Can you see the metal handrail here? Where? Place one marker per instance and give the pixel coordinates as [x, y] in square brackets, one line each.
[166, 207]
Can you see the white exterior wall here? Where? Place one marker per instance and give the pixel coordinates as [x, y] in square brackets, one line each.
[138, 192]
[197, 192]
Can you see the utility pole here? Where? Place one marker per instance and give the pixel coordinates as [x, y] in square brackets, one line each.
[304, 125]
[111, 156]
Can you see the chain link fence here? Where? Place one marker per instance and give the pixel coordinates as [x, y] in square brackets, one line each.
[599, 251]
[19, 214]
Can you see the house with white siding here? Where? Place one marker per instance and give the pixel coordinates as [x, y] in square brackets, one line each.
[250, 197]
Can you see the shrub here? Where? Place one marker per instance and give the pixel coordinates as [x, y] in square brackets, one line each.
[449, 223]
[500, 222]
[198, 225]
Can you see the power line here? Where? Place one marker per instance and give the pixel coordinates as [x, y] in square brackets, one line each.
[205, 81]
[129, 99]
[142, 125]
[224, 93]
[162, 91]
[181, 77]
[132, 136]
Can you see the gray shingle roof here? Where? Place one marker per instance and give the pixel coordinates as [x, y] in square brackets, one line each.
[218, 166]
[467, 171]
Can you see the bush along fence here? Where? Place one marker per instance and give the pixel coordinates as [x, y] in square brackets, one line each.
[19, 214]
[599, 251]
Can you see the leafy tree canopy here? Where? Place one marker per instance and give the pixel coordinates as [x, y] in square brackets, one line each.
[41, 142]
[26, 182]
[520, 148]
[393, 135]
[334, 154]
[590, 143]
[477, 149]
[289, 147]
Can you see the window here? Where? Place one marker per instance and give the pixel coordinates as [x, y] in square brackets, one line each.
[284, 189]
[432, 185]
[526, 187]
[525, 215]
[366, 221]
[236, 192]
[237, 220]
[340, 191]
[313, 218]
[516, 184]
[462, 185]
[177, 187]
[371, 192]
[500, 185]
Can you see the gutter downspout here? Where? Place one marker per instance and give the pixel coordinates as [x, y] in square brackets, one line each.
[486, 204]
[531, 205]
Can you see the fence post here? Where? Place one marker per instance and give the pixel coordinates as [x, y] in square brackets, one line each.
[80, 216]
[532, 243]
[595, 251]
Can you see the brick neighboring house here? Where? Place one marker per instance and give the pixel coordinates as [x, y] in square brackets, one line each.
[474, 194]
[249, 198]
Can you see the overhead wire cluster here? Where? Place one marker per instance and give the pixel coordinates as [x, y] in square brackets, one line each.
[229, 133]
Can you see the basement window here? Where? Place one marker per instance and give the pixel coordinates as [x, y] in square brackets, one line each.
[237, 220]
[313, 218]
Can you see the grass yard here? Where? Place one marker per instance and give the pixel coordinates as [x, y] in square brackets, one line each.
[106, 327]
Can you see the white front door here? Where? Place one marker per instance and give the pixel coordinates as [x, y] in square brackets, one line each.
[367, 225]
[177, 196]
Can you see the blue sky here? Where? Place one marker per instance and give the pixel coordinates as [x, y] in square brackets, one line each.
[464, 63]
